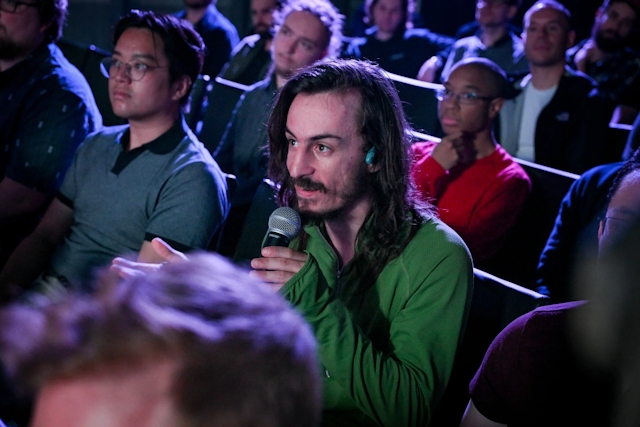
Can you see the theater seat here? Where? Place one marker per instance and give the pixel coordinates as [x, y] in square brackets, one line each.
[87, 59]
[495, 304]
[197, 104]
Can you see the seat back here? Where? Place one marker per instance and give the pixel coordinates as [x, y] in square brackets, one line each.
[518, 258]
[419, 103]
[87, 59]
[495, 303]
[256, 223]
[232, 183]
[222, 100]
[197, 103]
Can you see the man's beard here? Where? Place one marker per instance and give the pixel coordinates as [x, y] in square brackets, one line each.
[360, 186]
[10, 49]
[609, 44]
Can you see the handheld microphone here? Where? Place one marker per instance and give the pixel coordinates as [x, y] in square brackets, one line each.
[284, 225]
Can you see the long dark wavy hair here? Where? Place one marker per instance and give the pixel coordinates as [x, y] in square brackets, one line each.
[382, 124]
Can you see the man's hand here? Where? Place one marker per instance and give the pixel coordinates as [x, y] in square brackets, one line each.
[455, 149]
[162, 249]
[588, 54]
[429, 69]
[277, 265]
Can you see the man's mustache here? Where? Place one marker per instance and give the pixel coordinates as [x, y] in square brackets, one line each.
[307, 184]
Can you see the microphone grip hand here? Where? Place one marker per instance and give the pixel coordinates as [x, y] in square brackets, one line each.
[275, 239]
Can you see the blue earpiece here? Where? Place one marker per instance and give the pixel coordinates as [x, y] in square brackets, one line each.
[371, 156]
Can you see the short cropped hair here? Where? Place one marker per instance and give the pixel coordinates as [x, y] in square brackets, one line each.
[243, 354]
[325, 11]
[497, 78]
[541, 4]
[629, 166]
[54, 13]
[183, 46]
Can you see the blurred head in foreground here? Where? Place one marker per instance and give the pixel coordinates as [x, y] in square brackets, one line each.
[197, 343]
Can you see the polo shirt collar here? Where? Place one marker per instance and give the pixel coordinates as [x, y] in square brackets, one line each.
[164, 144]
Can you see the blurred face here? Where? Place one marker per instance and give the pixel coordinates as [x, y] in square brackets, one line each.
[325, 157]
[388, 15]
[197, 4]
[547, 37]
[152, 96]
[623, 208]
[262, 15]
[301, 41]
[613, 26]
[20, 32]
[114, 397]
[457, 116]
[494, 13]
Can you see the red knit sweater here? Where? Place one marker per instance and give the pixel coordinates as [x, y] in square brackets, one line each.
[480, 202]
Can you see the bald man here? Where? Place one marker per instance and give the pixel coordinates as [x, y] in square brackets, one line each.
[478, 188]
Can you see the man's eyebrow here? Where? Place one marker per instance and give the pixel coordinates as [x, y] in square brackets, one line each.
[313, 42]
[316, 137]
[139, 56]
[626, 211]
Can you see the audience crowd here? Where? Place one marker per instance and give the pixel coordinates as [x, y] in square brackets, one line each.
[117, 311]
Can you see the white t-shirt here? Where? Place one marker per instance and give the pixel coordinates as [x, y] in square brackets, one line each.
[534, 101]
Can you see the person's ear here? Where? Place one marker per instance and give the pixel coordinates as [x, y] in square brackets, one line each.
[513, 9]
[495, 106]
[181, 87]
[600, 230]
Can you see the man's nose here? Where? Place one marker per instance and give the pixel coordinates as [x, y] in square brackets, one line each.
[299, 162]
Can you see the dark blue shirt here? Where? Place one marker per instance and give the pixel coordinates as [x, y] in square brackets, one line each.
[47, 111]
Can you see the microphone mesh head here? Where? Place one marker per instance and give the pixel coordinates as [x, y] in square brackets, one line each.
[285, 221]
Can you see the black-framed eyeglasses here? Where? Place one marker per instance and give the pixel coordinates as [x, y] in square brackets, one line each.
[616, 226]
[10, 6]
[135, 70]
[463, 98]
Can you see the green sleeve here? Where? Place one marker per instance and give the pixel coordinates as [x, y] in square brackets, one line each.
[424, 296]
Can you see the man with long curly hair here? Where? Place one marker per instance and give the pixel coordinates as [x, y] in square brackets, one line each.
[384, 284]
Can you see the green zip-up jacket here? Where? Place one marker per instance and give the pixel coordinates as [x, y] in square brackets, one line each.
[387, 352]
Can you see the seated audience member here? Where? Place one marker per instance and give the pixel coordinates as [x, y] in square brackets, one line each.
[391, 43]
[307, 31]
[195, 344]
[493, 40]
[47, 111]
[532, 374]
[220, 36]
[131, 183]
[385, 285]
[573, 238]
[607, 329]
[251, 58]
[478, 188]
[558, 118]
[606, 57]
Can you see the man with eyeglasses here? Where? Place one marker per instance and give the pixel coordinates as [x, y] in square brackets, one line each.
[556, 117]
[478, 188]
[493, 40]
[47, 109]
[131, 183]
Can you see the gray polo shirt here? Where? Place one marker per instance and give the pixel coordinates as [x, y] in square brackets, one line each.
[169, 188]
